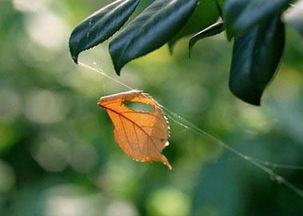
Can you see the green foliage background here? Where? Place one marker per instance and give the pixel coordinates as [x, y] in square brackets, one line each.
[57, 153]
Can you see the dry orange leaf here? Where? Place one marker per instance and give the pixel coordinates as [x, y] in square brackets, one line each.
[141, 135]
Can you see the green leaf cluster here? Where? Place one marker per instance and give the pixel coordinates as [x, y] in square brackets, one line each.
[257, 28]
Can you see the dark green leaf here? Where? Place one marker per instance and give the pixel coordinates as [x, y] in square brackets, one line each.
[294, 16]
[220, 4]
[256, 55]
[205, 14]
[156, 25]
[100, 26]
[240, 15]
[214, 29]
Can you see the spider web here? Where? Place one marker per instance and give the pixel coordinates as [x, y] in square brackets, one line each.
[265, 166]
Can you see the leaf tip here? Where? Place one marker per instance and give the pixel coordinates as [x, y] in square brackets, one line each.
[191, 44]
[169, 166]
[118, 69]
[166, 163]
[171, 47]
[73, 51]
[251, 96]
[116, 57]
[229, 34]
[75, 58]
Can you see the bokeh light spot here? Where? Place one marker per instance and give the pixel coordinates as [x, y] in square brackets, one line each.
[167, 202]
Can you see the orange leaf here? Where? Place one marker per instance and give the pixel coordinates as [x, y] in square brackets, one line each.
[141, 135]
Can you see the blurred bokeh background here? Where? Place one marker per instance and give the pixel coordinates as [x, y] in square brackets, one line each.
[57, 152]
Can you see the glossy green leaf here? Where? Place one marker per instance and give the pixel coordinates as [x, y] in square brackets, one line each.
[240, 15]
[100, 26]
[212, 30]
[256, 55]
[205, 14]
[294, 16]
[154, 27]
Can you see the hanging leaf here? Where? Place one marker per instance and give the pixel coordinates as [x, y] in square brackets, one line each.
[100, 26]
[212, 30]
[205, 14]
[256, 55]
[240, 15]
[141, 135]
[154, 27]
[294, 16]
